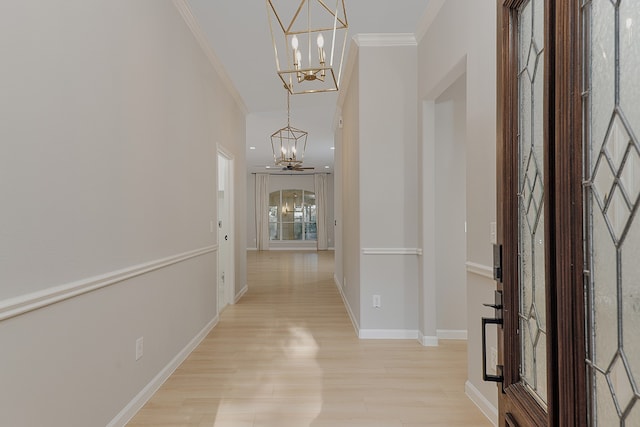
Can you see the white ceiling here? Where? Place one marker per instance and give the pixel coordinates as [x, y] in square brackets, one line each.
[238, 33]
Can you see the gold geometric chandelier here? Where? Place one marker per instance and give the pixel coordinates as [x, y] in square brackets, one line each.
[309, 43]
[288, 144]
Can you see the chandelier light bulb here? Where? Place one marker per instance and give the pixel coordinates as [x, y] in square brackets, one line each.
[320, 41]
[294, 42]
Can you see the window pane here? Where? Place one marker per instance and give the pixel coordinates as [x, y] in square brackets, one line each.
[274, 204]
[311, 231]
[297, 231]
[289, 231]
[273, 231]
[273, 214]
[290, 199]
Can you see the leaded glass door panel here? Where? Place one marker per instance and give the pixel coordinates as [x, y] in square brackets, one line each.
[612, 194]
[524, 222]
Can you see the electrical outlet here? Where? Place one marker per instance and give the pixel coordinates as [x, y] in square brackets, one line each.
[493, 361]
[139, 347]
[376, 301]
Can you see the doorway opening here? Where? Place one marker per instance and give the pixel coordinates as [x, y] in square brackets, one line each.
[450, 209]
[226, 259]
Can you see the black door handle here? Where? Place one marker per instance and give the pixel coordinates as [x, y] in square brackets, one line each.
[486, 377]
[497, 320]
[226, 237]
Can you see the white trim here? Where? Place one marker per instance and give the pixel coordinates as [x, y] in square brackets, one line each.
[391, 251]
[480, 269]
[201, 38]
[345, 79]
[385, 40]
[241, 293]
[354, 322]
[25, 303]
[129, 411]
[293, 248]
[428, 341]
[451, 334]
[388, 334]
[433, 8]
[486, 407]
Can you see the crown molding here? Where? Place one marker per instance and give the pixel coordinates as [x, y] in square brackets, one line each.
[385, 40]
[196, 30]
[433, 8]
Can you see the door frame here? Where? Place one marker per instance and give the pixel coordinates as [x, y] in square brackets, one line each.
[229, 288]
[566, 367]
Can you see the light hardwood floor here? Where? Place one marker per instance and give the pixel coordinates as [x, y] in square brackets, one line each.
[286, 355]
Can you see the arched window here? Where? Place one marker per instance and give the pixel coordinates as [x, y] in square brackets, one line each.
[292, 215]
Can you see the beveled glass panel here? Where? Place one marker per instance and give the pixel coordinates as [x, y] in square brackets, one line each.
[541, 368]
[630, 251]
[633, 419]
[616, 143]
[538, 24]
[603, 180]
[605, 409]
[620, 385]
[527, 368]
[605, 321]
[630, 176]
[613, 253]
[630, 62]
[525, 33]
[602, 84]
[617, 213]
[525, 118]
[531, 207]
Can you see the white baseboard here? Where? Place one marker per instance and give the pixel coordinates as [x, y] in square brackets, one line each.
[129, 411]
[241, 293]
[427, 341]
[252, 249]
[388, 334]
[354, 322]
[293, 248]
[451, 334]
[486, 407]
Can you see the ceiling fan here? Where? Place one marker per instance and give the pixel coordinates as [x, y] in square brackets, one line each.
[295, 167]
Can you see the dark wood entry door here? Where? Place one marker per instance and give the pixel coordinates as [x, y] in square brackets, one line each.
[542, 337]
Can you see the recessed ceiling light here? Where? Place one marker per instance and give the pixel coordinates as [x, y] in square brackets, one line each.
[252, 148]
[326, 167]
[268, 167]
[333, 148]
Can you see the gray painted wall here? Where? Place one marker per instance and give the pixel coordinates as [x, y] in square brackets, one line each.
[111, 118]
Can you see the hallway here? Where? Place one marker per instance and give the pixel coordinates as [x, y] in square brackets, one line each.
[286, 355]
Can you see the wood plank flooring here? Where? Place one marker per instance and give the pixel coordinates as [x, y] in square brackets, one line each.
[287, 355]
